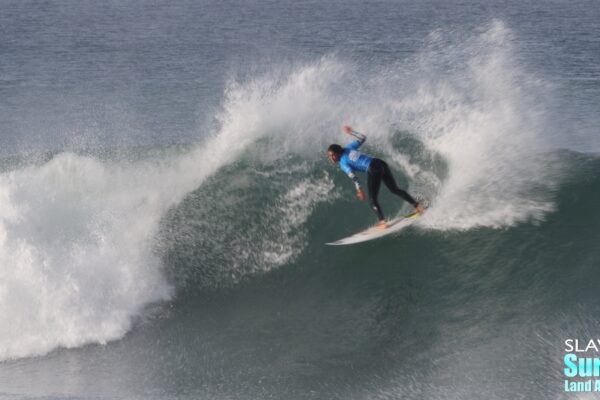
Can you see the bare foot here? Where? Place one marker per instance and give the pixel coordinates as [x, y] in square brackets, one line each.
[381, 224]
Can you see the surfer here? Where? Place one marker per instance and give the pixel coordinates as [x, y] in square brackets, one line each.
[351, 160]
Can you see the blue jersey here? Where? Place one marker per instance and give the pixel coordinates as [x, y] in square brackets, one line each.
[352, 160]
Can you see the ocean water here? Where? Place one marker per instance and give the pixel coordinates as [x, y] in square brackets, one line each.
[165, 198]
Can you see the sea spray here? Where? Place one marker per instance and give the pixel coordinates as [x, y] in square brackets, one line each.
[486, 120]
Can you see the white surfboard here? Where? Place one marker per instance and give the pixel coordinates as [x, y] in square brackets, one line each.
[376, 232]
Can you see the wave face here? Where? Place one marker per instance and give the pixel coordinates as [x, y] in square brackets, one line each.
[215, 251]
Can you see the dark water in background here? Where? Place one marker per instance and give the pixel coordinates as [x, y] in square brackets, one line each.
[165, 198]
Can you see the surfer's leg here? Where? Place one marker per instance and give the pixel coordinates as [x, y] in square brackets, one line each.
[389, 181]
[374, 182]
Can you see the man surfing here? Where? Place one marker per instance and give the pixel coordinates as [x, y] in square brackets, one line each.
[351, 160]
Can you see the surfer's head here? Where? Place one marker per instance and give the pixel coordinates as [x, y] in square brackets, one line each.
[334, 152]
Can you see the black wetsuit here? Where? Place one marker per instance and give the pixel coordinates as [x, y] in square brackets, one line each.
[378, 171]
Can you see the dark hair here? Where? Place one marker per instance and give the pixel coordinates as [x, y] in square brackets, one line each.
[335, 148]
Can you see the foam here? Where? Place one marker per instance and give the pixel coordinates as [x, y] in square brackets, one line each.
[75, 246]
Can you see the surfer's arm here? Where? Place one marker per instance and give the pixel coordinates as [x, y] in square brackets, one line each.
[361, 138]
[348, 170]
[354, 178]
[359, 192]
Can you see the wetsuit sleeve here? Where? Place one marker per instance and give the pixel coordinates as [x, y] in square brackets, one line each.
[348, 170]
[356, 144]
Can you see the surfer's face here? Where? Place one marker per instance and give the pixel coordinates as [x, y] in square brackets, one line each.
[333, 157]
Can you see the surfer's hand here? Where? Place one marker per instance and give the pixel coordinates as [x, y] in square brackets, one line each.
[347, 129]
[360, 194]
